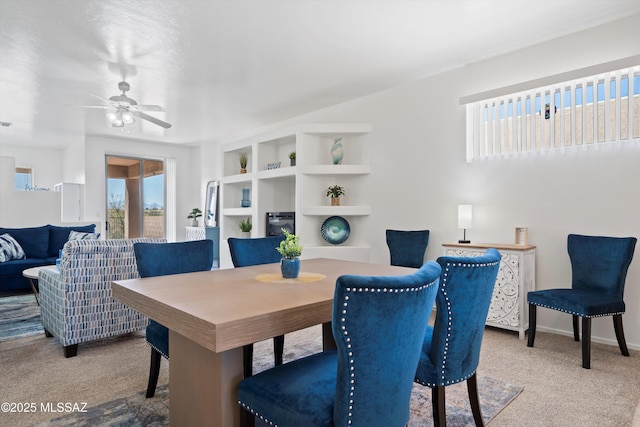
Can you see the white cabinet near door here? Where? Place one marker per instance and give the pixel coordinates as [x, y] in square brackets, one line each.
[516, 277]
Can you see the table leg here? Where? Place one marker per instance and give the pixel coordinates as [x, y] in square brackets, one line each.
[203, 385]
[34, 288]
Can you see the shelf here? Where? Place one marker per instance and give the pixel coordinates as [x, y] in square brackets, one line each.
[336, 128]
[241, 177]
[337, 170]
[336, 210]
[277, 173]
[352, 253]
[236, 211]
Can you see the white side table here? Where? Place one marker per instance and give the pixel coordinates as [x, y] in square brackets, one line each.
[516, 277]
[32, 274]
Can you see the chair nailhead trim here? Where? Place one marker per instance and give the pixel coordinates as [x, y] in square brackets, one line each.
[343, 327]
[158, 350]
[574, 313]
[443, 290]
[256, 414]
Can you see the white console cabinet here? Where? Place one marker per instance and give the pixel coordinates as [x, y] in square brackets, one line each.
[516, 277]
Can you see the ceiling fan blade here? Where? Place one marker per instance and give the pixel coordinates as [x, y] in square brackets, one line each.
[152, 119]
[104, 100]
[147, 108]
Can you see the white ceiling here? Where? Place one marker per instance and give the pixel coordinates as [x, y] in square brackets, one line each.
[222, 67]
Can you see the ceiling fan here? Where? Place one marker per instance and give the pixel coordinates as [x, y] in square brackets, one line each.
[123, 109]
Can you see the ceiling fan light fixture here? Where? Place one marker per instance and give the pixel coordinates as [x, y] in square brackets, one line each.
[127, 117]
[112, 116]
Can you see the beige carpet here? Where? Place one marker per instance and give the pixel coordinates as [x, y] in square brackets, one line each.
[557, 391]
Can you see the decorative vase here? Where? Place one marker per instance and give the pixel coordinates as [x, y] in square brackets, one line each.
[243, 170]
[290, 267]
[246, 198]
[337, 151]
[335, 201]
[194, 222]
[293, 162]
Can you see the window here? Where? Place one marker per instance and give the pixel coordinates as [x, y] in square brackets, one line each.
[588, 111]
[135, 198]
[24, 179]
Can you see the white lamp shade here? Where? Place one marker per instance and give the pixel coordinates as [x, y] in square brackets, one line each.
[464, 216]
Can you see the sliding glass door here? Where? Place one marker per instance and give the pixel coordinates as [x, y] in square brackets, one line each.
[135, 197]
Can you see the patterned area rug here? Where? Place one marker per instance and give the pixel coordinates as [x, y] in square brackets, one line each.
[136, 410]
[19, 317]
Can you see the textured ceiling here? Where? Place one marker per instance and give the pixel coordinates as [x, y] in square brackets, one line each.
[222, 67]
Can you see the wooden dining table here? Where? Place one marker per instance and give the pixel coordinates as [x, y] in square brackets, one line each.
[212, 315]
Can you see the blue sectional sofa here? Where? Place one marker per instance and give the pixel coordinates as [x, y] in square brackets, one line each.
[40, 245]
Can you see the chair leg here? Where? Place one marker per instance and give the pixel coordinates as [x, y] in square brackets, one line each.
[439, 411]
[154, 372]
[576, 330]
[617, 325]
[247, 360]
[47, 334]
[472, 390]
[278, 349]
[71, 350]
[247, 419]
[586, 342]
[532, 325]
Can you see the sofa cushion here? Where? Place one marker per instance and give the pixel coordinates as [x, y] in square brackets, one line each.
[34, 240]
[9, 248]
[58, 236]
[17, 266]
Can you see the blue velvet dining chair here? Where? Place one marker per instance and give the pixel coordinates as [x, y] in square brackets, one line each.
[161, 259]
[407, 247]
[599, 267]
[257, 251]
[356, 384]
[451, 348]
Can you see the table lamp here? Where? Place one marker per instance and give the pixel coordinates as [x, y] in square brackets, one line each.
[464, 221]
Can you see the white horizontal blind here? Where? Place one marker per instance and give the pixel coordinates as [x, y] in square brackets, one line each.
[590, 111]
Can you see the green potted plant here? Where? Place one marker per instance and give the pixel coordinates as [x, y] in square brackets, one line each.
[290, 250]
[194, 215]
[292, 157]
[335, 191]
[243, 162]
[245, 225]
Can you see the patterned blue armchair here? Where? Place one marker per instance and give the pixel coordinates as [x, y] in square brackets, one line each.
[451, 349]
[357, 384]
[257, 251]
[161, 259]
[598, 268]
[76, 302]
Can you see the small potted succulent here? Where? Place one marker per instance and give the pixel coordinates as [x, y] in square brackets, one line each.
[243, 162]
[335, 191]
[290, 250]
[292, 157]
[245, 226]
[194, 215]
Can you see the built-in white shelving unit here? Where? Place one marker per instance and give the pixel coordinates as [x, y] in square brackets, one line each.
[301, 188]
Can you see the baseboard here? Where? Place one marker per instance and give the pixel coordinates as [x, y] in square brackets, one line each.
[599, 340]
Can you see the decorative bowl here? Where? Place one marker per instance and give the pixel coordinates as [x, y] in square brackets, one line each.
[335, 230]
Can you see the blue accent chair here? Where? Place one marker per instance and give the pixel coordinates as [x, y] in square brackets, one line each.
[257, 251]
[407, 248]
[451, 348]
[161, 259]
[357, 384]
[599, 267]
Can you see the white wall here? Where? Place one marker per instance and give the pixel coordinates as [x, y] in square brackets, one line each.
[420, 173]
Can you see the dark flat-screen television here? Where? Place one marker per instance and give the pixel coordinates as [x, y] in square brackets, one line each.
[276, 221]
